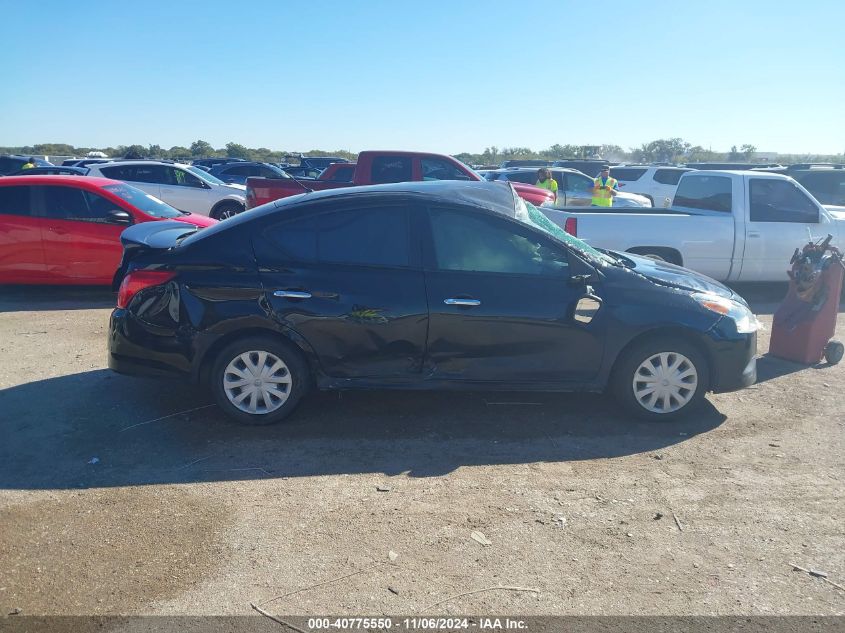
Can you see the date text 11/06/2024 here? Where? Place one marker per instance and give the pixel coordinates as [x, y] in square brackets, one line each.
[418, 624]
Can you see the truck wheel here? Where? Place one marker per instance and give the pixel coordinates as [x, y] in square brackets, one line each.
[226, 210]
[661, 380]
[259, 380]
[833, 352]
[668, 255]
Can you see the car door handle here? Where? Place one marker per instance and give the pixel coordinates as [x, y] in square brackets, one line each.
[462, 302]
[752, 234]
[292, 294]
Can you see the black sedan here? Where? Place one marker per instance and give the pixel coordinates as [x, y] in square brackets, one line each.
[448, 285]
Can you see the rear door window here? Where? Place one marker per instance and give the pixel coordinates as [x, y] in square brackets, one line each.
[15, 201]
[628, 174]
[366, 237]
[668, 176]
[391, 169]
[710, 193]
[154, 174]
[780, 201]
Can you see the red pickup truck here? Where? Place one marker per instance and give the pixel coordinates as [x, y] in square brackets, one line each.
[376, 167]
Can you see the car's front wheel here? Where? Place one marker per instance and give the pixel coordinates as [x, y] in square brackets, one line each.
[661, 379]
[259, 380]
[227, 210]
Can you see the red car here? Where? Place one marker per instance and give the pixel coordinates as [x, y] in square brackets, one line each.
[380, 167]
[66, 229]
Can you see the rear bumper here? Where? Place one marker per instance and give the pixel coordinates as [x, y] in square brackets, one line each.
[127, 357]
[733, 363]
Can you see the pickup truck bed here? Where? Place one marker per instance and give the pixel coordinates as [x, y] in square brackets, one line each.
[729, 225]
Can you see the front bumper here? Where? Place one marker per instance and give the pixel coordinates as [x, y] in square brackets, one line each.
[733, 363]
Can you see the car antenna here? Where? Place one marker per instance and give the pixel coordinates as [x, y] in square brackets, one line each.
[301, 184]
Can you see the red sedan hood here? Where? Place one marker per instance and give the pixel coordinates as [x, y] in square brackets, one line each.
[197, 220]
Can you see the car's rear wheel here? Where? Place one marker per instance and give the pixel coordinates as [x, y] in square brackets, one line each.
[259, 380]
[227, 210]
[661, 379]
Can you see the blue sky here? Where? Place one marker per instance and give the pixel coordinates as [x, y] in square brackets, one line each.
[438, 76]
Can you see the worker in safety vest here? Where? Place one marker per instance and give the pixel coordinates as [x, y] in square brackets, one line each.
[545, 181]
[605, 188]
[29, 164]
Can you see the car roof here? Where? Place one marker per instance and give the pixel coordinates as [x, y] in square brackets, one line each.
[481, 193]
[514, 170]
[497, 197]
[139, 161]
[736, 172]
[641, 166]
[45, 179]
[242, 163]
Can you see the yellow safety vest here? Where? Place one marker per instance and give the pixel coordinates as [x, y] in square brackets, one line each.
[603, 197]
[550, 184]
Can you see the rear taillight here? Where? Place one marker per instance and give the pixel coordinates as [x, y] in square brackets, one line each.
[137, 281]
[571, 226]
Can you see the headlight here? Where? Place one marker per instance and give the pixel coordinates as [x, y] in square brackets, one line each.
[746, 322]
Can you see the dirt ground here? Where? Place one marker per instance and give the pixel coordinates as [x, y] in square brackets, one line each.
[126, 495]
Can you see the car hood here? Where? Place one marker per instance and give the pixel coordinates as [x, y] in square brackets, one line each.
[836, 212]
[667, 274]
[197, 220]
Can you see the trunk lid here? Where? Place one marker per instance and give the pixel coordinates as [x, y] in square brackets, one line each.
[150, 236]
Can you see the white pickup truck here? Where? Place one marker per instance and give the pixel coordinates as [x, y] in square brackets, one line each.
[729, 225]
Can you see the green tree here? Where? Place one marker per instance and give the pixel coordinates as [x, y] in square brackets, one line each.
[134, 151]
[748, 151]
[236, 150]
[201, 148]
[178, 152]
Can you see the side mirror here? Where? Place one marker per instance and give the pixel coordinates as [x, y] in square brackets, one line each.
[117, 216]
[586, 308]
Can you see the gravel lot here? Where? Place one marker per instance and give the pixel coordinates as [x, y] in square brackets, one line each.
[183, 512]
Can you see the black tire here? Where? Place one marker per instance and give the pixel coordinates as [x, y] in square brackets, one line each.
[622, 382]
[226, 210]
[297, 371]
[833, 352]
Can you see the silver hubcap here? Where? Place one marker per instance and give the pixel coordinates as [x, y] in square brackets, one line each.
[257, 382]
[665, 382]
[228, 213]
